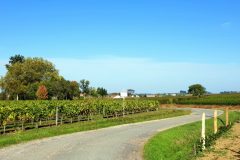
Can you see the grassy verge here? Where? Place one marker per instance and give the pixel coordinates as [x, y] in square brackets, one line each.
[20, 136]
[178, 143]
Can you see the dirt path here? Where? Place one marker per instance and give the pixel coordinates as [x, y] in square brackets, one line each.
[226, 147]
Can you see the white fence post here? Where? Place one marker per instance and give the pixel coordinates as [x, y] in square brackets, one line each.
[215, 122]
[203, 131]
[227, 119]
[56, 116]
[123, 106]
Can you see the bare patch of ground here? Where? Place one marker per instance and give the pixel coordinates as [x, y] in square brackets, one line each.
[226, 147]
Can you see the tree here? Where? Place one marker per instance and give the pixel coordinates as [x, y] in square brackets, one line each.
[1, 84]
[31, 91]
[101, 91]
[22, 75]
[74, 89]
[197, 90]
[84, 86]
[42, 93]
[2, 91]
[93, 92]
[57, 88]
[14, 59]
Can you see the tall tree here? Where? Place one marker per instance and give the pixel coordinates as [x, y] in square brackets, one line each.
[197, 90]
[84, 86]
[74, 89]
[101, 91]
[93, 92]
[21, 75]
[57, 88]
[42, 93]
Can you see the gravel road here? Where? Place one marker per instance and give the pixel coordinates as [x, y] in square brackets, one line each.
[124, 142]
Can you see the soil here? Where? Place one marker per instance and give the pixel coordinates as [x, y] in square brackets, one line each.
[226, 148]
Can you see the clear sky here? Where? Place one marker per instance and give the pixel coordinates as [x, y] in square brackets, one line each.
[147, 45]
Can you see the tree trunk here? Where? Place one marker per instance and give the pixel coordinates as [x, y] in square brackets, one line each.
[17, 97]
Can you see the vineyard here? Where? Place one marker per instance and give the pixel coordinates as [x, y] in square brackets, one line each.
[215, 99]
[218, 99]
[23, 115]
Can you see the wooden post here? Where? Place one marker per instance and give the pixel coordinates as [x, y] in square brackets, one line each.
[215, 122]
[123, 106]
[203, 131]
[4, 129]
[56, 116]
[227, 121]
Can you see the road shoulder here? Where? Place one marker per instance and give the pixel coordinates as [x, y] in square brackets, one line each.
[226, 147]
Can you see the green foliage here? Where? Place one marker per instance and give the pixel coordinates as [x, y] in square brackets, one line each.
[84, 86]
[15, 59]
[92, 92]
[213, 99]
[102, 91]
[218, 99]
[31, 91]
[33, 111]
[20, 76]
[197, 90]
[74, 89]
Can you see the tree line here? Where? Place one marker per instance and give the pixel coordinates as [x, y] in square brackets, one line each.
[36, 78]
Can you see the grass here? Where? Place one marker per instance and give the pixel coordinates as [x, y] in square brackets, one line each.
[178, 143]
[20, 136]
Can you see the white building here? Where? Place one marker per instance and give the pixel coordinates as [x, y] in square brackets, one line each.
[127, 93]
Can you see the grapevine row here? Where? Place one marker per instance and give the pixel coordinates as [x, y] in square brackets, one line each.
[20, 113]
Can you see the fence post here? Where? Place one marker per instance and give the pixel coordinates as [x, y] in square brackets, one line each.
[215, 122]
[203, 131]
[123, 106]
[227, 121]
[56, 116]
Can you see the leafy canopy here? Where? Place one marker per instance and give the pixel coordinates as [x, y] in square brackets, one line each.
[197, 90]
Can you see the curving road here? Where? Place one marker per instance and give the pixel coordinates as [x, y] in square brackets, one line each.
[123, 142]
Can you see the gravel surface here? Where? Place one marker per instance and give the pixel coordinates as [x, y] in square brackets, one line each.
[124, 142]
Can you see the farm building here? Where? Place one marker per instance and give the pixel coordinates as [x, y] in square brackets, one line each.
[127, 93]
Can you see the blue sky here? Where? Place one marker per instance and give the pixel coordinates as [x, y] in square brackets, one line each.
[147, 45]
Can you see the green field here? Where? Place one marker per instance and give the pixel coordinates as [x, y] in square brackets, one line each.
[100, 122]
[214, 99]
[178, 143]
[218, 99]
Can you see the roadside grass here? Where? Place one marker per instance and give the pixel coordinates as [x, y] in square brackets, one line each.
[24, 136]
[178, 143]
